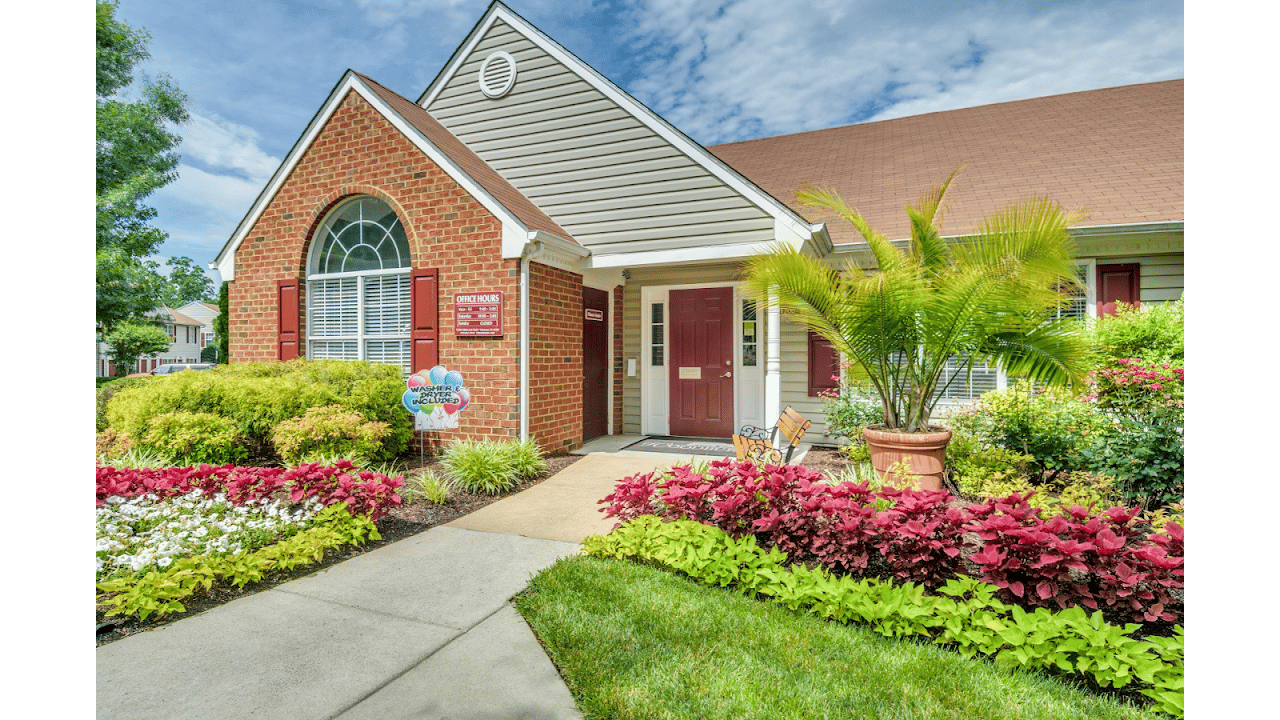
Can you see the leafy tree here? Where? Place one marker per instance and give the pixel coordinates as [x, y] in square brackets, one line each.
[188, 282]
[135, 156]
[220, 324]
[130, 340]
[988, 298]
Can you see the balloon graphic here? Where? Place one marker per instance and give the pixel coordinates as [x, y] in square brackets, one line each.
[464, 397]
[410, 401]
[453, 378]
[437, 375]
[416, 380]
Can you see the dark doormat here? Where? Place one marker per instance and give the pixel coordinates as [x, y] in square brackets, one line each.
[715, 447]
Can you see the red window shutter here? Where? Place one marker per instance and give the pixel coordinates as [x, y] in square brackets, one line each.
[287, 319]
[824, 364]
[1117, 283]
[424, 330]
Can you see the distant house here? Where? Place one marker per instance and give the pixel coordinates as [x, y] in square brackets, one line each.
[205, 312]
[576, 257]
[189, 334]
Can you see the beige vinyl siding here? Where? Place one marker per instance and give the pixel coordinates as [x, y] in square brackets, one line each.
[1160, 277]
[795, 382]
[604, 176]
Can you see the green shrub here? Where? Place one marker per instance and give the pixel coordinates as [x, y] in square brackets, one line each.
[188, 438]
[1053, 498]
[108, 390]
[849, 409]
[1146, 456]
[856, 452]
[329, 431]
[1153, 332]
[489, 467]
[1050, 426]
[112, 443]
[259, 396]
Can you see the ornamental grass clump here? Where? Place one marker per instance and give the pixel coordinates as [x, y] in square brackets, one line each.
[490, 467]
[990, 297]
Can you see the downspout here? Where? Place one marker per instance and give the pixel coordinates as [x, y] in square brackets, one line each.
[531, 251]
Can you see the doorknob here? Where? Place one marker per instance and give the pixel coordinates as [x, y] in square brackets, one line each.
[728, 374]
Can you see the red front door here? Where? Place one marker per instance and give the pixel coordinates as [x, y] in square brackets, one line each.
[700, 371]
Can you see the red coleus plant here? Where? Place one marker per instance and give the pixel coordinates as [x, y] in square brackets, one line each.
[365, 492]
[1098, 560]
[909, 534]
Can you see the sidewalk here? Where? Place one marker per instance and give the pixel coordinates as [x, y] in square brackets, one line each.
[421, 628]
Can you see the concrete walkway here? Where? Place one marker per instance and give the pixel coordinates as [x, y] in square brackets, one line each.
[421, 628]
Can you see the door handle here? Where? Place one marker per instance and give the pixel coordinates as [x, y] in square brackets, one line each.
[728, 374]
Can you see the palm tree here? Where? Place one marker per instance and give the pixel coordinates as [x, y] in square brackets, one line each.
[989, 297]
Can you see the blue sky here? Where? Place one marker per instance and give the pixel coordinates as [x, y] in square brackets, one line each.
[256, 72]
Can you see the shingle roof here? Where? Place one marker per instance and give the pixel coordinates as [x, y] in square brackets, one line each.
[181, 319]
[1117, 152]
[480, 171]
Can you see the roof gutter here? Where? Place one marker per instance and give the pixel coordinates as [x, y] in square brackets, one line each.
[1079, 231]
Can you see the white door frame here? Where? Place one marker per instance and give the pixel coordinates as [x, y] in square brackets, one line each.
[655, 395]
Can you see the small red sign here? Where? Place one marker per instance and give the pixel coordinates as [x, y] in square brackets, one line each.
[477, 314]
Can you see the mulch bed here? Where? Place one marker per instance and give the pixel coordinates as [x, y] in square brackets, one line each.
[401, 522]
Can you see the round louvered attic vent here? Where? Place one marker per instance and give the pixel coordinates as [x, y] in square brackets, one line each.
[497, 74]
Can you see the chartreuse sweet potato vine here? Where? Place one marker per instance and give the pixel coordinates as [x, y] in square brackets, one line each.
[966, 616]
[161, 592]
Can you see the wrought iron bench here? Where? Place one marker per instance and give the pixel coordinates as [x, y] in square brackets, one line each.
[756, 444]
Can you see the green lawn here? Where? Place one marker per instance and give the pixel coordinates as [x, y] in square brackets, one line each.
[637, 642]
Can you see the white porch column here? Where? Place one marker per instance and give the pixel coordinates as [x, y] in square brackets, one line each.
[773, 362]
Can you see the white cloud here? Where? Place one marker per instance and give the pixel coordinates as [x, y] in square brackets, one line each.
[218, 143]
[202, 189]
[761, 67]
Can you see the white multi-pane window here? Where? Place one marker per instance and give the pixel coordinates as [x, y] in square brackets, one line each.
[358, 301]
[966, 385]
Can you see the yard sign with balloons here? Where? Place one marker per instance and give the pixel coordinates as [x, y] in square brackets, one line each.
[435, 398]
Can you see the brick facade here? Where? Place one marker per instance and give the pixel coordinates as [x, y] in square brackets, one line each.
[555, 357]
[358, 152]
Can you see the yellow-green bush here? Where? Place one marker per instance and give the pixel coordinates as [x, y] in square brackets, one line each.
[1053, 498]
[190, 438]
[331, 430]
[257, 397]
[113, 443]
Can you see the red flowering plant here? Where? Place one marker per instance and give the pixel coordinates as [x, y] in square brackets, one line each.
[1139, 391]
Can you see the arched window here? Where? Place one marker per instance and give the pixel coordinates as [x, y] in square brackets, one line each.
[358, 297]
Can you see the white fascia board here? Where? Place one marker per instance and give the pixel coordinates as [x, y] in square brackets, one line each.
[1083, 231]
[516, 239]
[766, 202]
[225, 262]
[675, 256]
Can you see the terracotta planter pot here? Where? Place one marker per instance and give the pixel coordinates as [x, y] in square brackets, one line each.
[927, 452]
